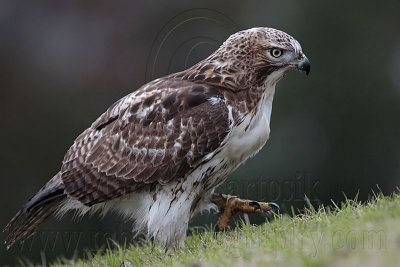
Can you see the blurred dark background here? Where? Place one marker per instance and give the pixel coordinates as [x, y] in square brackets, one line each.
[62, 63]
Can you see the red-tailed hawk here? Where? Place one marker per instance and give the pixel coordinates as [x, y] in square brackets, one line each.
[157, 155]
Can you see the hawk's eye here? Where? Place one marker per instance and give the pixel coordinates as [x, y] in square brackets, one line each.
[276, 52]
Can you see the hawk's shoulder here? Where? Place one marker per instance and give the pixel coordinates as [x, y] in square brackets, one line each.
[157, 134]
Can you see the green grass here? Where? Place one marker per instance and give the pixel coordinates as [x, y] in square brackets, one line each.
[353, 234]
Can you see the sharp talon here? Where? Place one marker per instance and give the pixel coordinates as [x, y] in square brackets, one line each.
[273, 209]
[274, 205]
[255, 204]
[230, 205]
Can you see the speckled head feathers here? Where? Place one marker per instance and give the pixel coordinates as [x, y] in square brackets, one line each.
[245, 61]
[264, 37]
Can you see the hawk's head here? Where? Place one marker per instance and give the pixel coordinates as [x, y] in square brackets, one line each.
[257, 57]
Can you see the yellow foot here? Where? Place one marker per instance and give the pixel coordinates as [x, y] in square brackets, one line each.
[230, 205]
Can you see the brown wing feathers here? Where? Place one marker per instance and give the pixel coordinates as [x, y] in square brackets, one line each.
[155, 135]
[160, 139]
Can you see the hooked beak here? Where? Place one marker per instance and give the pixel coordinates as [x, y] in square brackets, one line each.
[304, 65]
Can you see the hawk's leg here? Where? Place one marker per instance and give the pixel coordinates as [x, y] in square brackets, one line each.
[230, 205]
